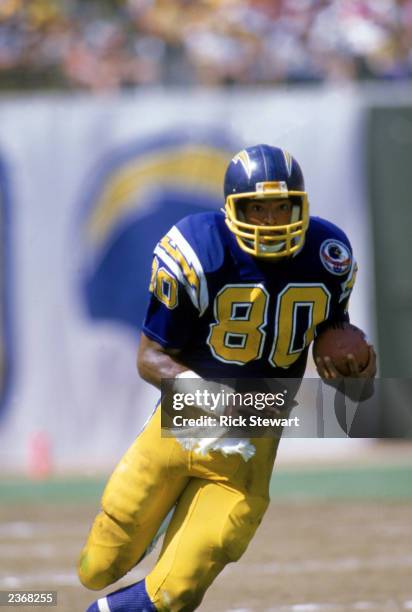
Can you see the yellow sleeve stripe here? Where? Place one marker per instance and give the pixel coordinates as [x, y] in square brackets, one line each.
[182, 260]
[188, 270]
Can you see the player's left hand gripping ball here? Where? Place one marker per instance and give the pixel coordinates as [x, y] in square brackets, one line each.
[343, 352]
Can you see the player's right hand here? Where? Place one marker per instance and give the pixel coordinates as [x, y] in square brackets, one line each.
[327, 370]
[359, 385]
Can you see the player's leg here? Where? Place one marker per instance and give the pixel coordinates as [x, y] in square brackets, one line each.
[141, 491]
[212, 526]
[159, 533]
[213, 523]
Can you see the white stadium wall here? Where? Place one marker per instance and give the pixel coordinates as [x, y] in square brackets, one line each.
[71, 374]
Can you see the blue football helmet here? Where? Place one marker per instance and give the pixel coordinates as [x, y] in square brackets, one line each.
[266, 172]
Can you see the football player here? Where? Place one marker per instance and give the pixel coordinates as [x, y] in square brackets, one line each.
[233, 295]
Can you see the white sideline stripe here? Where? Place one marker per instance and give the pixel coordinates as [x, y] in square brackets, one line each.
[309, 607]
[374, 606]
[103, 605]
[36, 550]
[24, 529]
[47, 579]
[61, 578]
[340, 564]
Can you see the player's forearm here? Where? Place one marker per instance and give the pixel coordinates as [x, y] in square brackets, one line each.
[156, 366]
[155, 363]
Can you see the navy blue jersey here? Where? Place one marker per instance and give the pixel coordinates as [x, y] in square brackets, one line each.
[233, 315]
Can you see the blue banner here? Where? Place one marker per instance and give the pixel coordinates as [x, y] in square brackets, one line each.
[134, 197]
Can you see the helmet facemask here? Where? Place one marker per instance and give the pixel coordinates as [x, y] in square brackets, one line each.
[275, 241]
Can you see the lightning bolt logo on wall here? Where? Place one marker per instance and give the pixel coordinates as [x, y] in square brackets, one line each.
[136, 196]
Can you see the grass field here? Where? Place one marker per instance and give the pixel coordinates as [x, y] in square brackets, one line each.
[334, 539]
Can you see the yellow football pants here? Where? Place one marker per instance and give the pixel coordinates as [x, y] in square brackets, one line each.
[220, 503]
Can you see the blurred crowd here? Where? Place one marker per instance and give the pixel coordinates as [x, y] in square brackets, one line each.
[102, 45]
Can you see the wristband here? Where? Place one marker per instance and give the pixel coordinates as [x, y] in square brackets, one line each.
[187, 374]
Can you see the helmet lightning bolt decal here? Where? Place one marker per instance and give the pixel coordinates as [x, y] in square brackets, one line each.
[288, 161]
[243, 158]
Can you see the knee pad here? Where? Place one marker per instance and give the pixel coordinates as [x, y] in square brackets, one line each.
[101, 561]
[92, 574]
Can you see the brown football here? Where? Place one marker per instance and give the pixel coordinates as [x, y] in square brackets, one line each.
[338, 342]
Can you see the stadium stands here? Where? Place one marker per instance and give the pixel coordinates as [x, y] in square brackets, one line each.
[116, 44]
